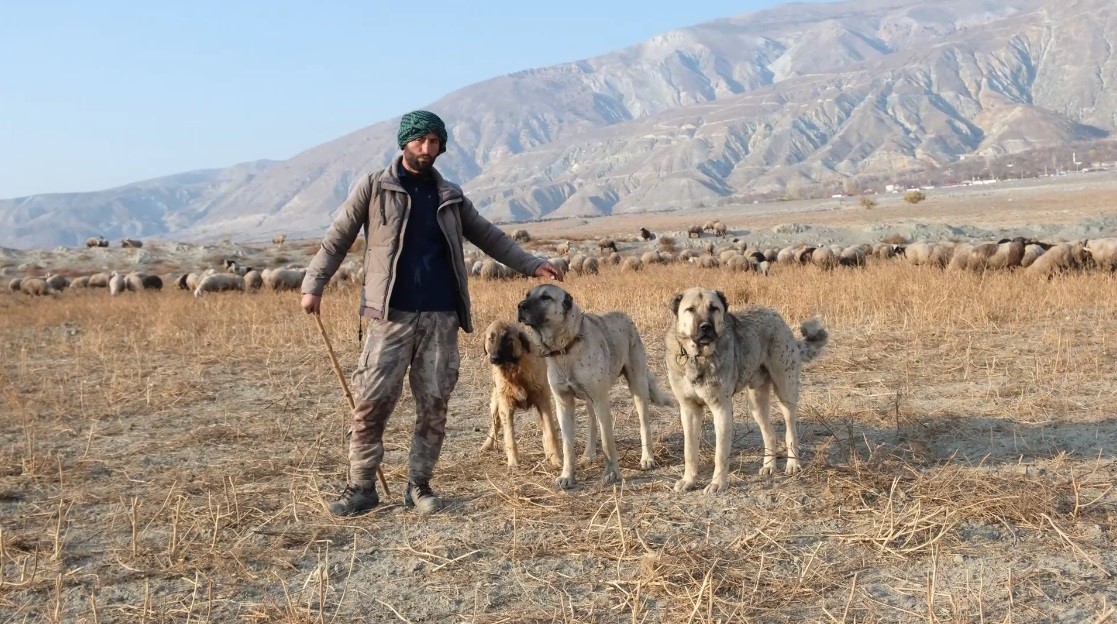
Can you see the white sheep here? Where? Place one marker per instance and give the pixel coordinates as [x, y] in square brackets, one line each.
[219, 282]
[1103, 252]
[281, 279]
[117, 284]
[1031, 253]
[591, 266]
[253, 280]
[36, 286]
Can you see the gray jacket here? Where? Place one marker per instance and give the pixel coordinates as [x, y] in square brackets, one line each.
[384, 218]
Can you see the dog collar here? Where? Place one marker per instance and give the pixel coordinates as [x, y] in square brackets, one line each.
[564, 350]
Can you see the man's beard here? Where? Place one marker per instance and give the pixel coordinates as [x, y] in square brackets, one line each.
[419, 163]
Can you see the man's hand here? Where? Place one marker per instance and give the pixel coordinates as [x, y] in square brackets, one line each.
[312, 303]
[549, 270]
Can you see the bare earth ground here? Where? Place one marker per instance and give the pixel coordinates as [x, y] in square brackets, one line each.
[168, 459]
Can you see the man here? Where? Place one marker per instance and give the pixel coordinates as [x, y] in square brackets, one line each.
[416, 295]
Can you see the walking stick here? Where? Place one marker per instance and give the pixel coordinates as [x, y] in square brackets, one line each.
[345, 387]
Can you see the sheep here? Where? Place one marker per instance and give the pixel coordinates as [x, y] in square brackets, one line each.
[1103, 251]
[686, 254]
[475, 269]
[709, 248]
[960, 259]
[151, 282]
[98, 241]
[646, 234]
[666, 257]
[219, 282]
[786, 255]
[590, 266]
[724, 256]
[562, 248]
[1008, 255]
[180, 282]
[941, 255]
[253, 280]
[57, 282]
[738, 264]
[36, 286]
[709, 225]
[131, 243]
[13, 284]
[521, 236]
[278, 239]
[614, 258]
[649, 257]
[764, 267]
[99, 280]
[576, 263]
[192, 280]
[707, 262]
[719, 228]
[609, 244]
[117, 284]
[1031, 253]
[561, 263]
[824, 258]
[1060, 259]
[134, 281]
[694, 231]
[632, 263]
[852, 257]
[280, 279]
[771, 254]
[491, 270]
[80, 282]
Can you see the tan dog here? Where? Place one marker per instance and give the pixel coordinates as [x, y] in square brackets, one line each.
[712, 355]
[519, 383]
[585, 355]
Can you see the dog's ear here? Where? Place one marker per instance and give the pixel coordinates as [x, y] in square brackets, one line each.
[724, 301]
[485, 344]
[675, 301]
[567, 303]
[524, 342]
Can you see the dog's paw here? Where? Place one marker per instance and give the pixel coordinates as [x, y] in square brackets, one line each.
[793, 466]
[565, 482]
[647, 463]
[685, 485]
[768, 469]
[718, 485]
[587, 459]
[555, 461]
[612, 476]
[513, 463]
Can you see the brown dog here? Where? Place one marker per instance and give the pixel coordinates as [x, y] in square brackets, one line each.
[519, 383]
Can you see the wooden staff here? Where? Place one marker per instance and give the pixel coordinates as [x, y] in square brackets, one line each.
[345, 387]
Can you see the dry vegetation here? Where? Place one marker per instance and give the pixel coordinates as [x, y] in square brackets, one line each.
[165, 459]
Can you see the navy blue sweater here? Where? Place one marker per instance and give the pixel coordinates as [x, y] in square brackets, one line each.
[424, 274]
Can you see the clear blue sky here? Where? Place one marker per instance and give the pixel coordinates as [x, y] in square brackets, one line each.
[98, 94]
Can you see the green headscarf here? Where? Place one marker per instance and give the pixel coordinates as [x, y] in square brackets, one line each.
[418, 123]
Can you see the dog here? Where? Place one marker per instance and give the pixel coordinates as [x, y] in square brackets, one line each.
[585, 354]
[713, 354]
[519, 383]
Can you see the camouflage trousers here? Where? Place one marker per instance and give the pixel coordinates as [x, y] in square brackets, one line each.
[426, 344]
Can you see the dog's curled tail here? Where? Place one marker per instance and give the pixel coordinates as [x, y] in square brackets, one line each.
[815, 339]
[657, 396]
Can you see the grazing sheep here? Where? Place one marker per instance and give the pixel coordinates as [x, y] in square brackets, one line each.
[707, 262]
[590, 266]
[278, 240]
[192, 280]
[941, 255]
[134, 281]
[521, 236]
[709, 225]
[666, 257]
[614, 258]
[117, 284]
[1062, 258]
[180, 282]
[694, 231]
[852, 257]
[99, 280]
[562, 248]
[764, 267]
[1031, 252]
[709, 248]
[720, 229]
[738, 264]
[646, 234]
[253, 280]
[632, 263]
[280, 279]
[57, 282]
[1008, 255]
[576, 263]
[36, 286]
[609, 244]
[131, 243]
[686, 254]
[724, 256]
[493, 270]
[475, 270]
[98, 241]
[151, 282]
[649, 257]
[219, 282]
[787, 255]
[824, 258]
[13, 284]
[805, 255]
[80, 282]
[1103, 251]
[960, 259]
[561, 263]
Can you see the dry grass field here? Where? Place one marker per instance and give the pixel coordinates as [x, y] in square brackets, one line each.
[166, 459]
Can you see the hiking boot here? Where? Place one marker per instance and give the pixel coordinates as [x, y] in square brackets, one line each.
[420, 496]
[355, 500]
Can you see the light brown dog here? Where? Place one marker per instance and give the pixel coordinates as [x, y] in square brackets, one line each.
[519, 383]
[713, 354]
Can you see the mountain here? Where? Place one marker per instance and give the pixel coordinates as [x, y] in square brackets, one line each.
[758, 104]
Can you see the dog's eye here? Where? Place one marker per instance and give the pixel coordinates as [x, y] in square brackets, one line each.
[545, 297]
[713, 308]
[690, 309]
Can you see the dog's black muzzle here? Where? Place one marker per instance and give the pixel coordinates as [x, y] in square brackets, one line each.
[705, 333]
